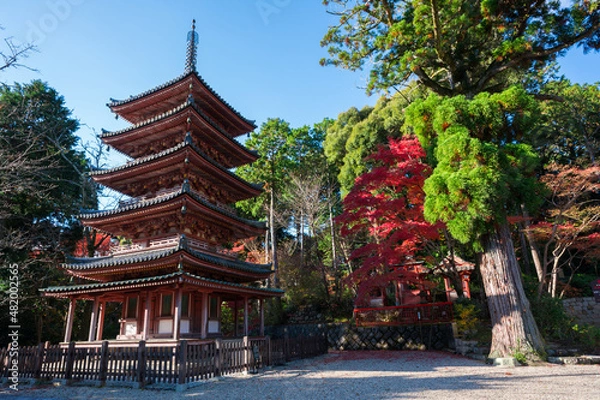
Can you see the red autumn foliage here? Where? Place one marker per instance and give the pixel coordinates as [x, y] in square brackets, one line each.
[570, 231]
[387, 204]
[100, 246]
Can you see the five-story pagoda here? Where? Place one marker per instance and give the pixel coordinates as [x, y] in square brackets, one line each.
[174, 273]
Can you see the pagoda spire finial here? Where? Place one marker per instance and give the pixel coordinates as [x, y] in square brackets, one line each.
[192, 45]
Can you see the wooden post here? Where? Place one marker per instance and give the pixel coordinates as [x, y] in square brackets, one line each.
[177, 316]
[218, 357]
[70, 361]
[70, 315]
[103, 362]
[183, 350]
[465, 278]
[246, 353]
[286, 345]
[39, 359]
[141, 364]
[447, 288]
[268, 345]
[146, 329]
[236, 318]
[93, 321]
[262, 317]
[246, 316]
[204, 316]
[101, 314]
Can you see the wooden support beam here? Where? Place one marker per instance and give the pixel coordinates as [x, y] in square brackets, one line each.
[146, 322]
[177, 316]
[261, 303]
[93, 321]
[70, 316]
[101, 315]
[246, 316]
[204, 316]
[236, 319]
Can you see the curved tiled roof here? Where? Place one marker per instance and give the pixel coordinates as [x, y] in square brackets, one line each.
[152, 157]
[116, 103]
[185, 189]
[181, 107]
[86, 264]
[156, 280]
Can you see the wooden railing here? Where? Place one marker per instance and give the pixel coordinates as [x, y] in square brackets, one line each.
[171, 241]
[180, 363]
[432, 313]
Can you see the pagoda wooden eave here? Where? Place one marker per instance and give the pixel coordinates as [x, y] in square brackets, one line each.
[180, 208]
[174, 124]
[169, 260]
[175, 164]
[158, 100]
[91, 290]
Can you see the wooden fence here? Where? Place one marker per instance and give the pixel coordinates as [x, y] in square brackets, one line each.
[178, 364]
[431, 313]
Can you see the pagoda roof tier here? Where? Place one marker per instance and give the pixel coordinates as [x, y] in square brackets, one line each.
[170, 168]
[155, 262]
[164, 97]
[90, 290]
[182, 211]
[162, 131]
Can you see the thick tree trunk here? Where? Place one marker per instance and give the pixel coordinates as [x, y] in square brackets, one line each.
[514, 328]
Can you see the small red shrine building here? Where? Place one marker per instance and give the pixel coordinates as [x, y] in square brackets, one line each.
[417, 289]
[174, 273]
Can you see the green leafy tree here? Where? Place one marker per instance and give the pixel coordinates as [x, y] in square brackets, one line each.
[42, 187]
[339, 133]
[462, 50]
[272, 142]
[355, 135]
[570, 128]
[455, 47]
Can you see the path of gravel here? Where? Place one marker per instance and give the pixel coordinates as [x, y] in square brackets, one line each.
[368, 375]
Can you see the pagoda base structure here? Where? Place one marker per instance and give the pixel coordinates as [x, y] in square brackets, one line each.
[174, 306]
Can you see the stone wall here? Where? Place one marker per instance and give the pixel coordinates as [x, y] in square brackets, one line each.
[584, 309]
[344, 336]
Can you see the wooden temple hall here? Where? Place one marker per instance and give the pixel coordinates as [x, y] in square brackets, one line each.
[174, 273]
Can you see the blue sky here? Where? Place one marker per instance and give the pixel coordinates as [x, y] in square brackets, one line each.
[262, 56]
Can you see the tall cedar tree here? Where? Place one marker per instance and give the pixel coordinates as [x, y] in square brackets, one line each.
[466, 48]
[387, 202]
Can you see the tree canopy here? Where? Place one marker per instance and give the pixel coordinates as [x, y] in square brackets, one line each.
[356, 134]
[42, 188]
[456, 47]
[483, 174]
[387, 204]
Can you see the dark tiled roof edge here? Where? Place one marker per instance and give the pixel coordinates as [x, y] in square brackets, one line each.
[115, 103]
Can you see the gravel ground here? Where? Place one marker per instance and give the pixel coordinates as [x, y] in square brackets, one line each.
[367, 375]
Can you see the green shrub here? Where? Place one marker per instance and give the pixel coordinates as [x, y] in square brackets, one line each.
[588, 337]
[552, 320]
[583, 283]
[467, 315]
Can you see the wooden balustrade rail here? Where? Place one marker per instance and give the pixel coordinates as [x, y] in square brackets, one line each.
[179, 363]
[432, 313]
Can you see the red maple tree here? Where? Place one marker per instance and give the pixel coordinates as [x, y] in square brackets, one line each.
[93, 243]
[386, 203]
